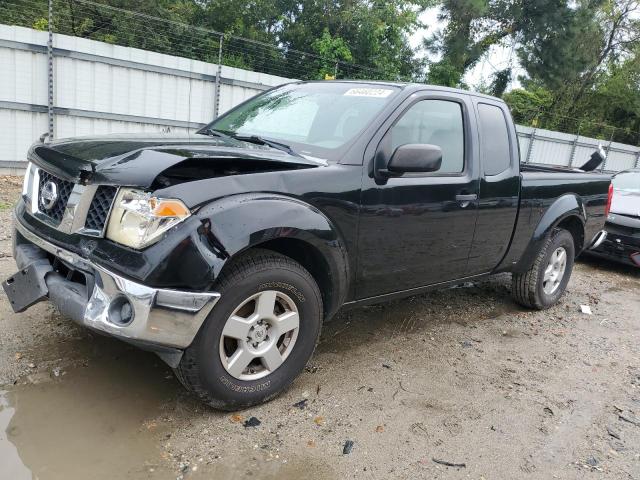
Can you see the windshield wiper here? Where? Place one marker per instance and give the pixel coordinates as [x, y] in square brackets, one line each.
[283, 147]
[212, 132]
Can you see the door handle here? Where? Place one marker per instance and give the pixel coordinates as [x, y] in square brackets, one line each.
[465, 199]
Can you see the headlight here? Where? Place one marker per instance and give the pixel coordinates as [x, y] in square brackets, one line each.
[138, 219]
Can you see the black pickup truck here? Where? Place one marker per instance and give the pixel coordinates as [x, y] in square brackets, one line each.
[226, 250]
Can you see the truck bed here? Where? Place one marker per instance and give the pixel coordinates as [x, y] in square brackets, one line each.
[541, 187]
[539, 167]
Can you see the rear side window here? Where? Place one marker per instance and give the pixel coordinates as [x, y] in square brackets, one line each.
[496, 154]
[434, 122]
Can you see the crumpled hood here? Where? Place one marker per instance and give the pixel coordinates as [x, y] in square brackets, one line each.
[137, 160]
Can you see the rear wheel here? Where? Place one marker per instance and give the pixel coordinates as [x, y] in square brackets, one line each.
[259, 336]
[542, 285]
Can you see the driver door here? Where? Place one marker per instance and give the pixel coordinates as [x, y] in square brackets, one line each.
[417, 229]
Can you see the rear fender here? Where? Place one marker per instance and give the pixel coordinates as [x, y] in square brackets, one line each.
[567, 206]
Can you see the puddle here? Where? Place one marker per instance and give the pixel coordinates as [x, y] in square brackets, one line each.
[106, 421]
[93, 422]
[295, 469]
[12, 466]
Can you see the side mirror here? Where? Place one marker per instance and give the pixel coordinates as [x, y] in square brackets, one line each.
[415, 158]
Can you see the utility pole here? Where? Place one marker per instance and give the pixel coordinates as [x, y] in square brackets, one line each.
[50, 72]
[574, 146]
[216, 101]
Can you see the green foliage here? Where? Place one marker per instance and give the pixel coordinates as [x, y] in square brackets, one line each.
[41, 24]
[445, 73]
[331, 51]
[614, 100]
[500, 82]
[376, 33]
[558, 40]
[527, 105]
[464, 41]
[580, 58]
[369, 38]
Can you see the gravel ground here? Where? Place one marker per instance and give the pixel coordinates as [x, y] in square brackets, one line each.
[463, 376]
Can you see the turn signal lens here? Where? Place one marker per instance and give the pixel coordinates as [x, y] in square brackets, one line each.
[168, 208]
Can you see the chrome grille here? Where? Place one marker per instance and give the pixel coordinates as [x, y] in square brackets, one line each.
[100, 207]
[69, 212]
[63, 189]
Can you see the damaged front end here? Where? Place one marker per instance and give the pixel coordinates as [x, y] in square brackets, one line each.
[162, 320]
[88, 230]
[152, 162]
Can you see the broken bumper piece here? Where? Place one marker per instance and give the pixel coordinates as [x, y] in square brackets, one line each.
[91, 295]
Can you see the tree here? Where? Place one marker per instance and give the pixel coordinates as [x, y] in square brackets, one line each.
[527, 105]
[376, 33]
[619, 23]
[273, 36]
[579, 58]
[547, 32]
[331, 51]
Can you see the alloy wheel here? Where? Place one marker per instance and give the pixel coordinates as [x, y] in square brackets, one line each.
[554, 272]
[259, 335]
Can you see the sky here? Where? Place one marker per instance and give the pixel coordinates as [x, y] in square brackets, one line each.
[497, 59]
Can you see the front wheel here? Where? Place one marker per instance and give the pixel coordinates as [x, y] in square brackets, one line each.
[259, 336]
[542, 285]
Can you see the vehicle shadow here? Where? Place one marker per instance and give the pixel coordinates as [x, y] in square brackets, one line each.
[464, 306]
[608, 265]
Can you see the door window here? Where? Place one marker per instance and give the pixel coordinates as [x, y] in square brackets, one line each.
[434, 122]
[496, 154]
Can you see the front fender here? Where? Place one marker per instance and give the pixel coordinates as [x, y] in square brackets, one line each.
[244, 221]
[569, 205]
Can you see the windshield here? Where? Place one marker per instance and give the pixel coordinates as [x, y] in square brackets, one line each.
[629, 181]
[317, 119]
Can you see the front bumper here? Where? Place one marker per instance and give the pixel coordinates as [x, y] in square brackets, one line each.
[161, 318]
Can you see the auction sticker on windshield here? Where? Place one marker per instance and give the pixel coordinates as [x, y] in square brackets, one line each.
[368, 92]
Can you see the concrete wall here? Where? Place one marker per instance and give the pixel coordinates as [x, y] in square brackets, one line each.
[101, 88]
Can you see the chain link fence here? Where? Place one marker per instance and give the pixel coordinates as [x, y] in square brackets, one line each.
[579, 126]
[117, 26]
[543, 135]
[547, 137]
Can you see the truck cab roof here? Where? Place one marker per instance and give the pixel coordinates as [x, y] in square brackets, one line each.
[410, 86]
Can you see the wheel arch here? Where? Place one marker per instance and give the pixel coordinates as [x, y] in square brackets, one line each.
[567, 212]
[313, 260]
[575, 227]
[289, 227]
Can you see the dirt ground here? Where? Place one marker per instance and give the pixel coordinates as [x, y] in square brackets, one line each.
[463, 376]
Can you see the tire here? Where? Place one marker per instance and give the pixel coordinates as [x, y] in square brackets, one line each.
[205, 368]
[530, 288]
